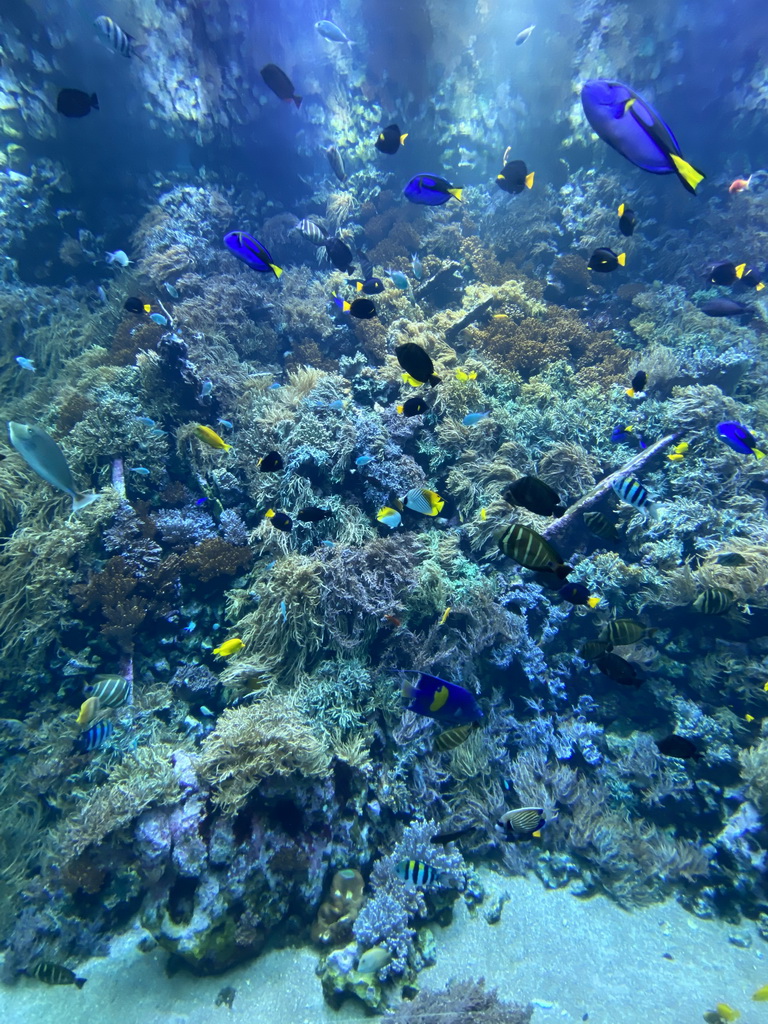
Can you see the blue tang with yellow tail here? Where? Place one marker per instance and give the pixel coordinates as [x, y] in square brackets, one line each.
[633, 128]
[247, 249]
[441, 700]
[431, 190]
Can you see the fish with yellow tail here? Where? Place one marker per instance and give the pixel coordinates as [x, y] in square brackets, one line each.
[522, 823]
[761, 996]
[678, 452]
[43, 455]
[465, 375]
[229, 647]
[89, 710]
[421, 499]
[209, 437]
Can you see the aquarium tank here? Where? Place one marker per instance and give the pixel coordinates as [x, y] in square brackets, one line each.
[383, 511]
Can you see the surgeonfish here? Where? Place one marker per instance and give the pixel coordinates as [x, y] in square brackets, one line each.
[95, 737]
[247, 249]
[633, 128]
[531, 550]
[421, 499]
[723, 307]
[632, 491]
[331, 32]
[89, 710]
[55, 974]
[627, 220]
[209, 437]
[135, 305]
[431, 190]
[279, 83]
[416, 267]
[464, 374]
[390, 139]
[309, 230]
[361, 309]
[603, 261]
[713, 601]
[279, 520]
[368, 286]
[618, 669]
[750, 277]
[449, 739]
[272, 462]
[637, 388]
[43, 455]
[522, 823]
[112, 691]
[398, 279]
[441, 700]
[418, 873]
[339, 254]
[737, 437]
[727, 1013]
[473, 418]
[761, 996]
[120, 257]
[336, 161]
[116, 38]
[313, 514]
[76, 103]
[531, 493]
[678, 746]
[416, 362]
[229, 647]
[158, 318]
[514, 177]
[620, 632]
[599, 524]
[578, 593]
[722, 273]
[413, 407]
[389, 517]
[594, 649]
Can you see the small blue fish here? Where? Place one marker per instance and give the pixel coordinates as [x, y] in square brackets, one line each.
[739, 438]
[437, 698]
[628, 435]
[94, 737]
[102, 294]
[363, 460]
[328, 543]
[141, 470]
[474, 417]
[284, 611]
[191, 626]
[338, 405]
[418, 270]
[171, 290]
[398, 279]
[146, 420]
[226, 423]
[332, 32]
[201, 501]
[250, 251]
[158, 432]
[158, 319]
[275, 384]
[206, 389]
[25, 364]
[431, 190]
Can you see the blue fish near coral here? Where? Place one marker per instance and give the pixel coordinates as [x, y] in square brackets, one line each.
[431, 190]
[474, 417]
[445, 702]
[94, 737]
[627, 434]
[633, 128]
[736, 436]
[25, 364]
[247, 249]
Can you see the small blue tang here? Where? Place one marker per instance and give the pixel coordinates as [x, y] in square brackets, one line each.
[201, 501]
[26, 364]
[226, 423]
[431, 190]
[474, 417]
[338, 405]
[158, 319]
[158, 432]
[206, 389]
[363, 460]
[445, 702]
[247, 249]
[274, 385]
[284, 611]
[141, 470]
[737, 437]
[146, 420]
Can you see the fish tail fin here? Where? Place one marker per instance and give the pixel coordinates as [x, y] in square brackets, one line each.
[84, 498]
[687, 173]
[621, 210]
[455, 192]
[269, 514]
[758, 454]
[358, 286]
[621, 259]
[80, 982]
[400, 409]
[297, 100]
[277, 271]
[529, 179]
[740, 270]
[630, 392]
[563, 571]
[94, 101]
[403, 138]
[593, 602]
[536, 834]
[759, 287]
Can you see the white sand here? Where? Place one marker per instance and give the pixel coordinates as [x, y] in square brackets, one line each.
[549, 947]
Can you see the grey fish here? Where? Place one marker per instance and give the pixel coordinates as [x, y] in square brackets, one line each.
[521, 37]
[56, 974]
[332, 32]
[530, 550]
[112, 691]
[115, 38]
[625, 631]
[336, 161]
[311, 232]
[42, 454]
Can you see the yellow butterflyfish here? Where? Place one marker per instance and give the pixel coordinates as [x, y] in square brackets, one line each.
[749, 718]
[211, 438]
[89, 709]
[229, 647]
[483, 514]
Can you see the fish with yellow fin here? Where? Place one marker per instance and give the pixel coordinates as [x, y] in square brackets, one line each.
[726, 1012]
[465, 375]
[89, 709]
[678, 452]
[761, 996]
[209, 436]
[444, 616]
[229, 647]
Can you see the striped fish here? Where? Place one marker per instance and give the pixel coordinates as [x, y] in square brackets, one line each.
[420, 499]
[417, 872]
[94, 737]
[599, 524]
[625, 631]
[633, 492]
[112, 691]
[713, 601]
[530, 550]
[55, 974]
[309, 230]
[451, 738]
[522, 823]
[114, 36]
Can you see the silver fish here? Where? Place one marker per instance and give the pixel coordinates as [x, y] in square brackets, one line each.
[311, 231]
[114, 36]
[336, 161]
[42, 454]
[522, 36]
[332, 32]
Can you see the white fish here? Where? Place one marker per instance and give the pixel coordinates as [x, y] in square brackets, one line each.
[102, 294]
[116, 38]
[25, 364]
[119, 257]
[522, 36]
[332, 32]
[374, 959]
[42, 454]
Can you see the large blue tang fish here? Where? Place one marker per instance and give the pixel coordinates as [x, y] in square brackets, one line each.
[628, 123]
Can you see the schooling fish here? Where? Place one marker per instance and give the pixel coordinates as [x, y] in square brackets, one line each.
[95, 737]
[279, 520]
[336, 161]
[280, 83]
[577, 593]
[413, 407]
[116, 38]
[431, 190]
[441, 700]
[247, 249]
[229, 647]
[677, 746]
[633, 492]
[750, 277]
[416, 363]
[522, 823]
[737, 437]
[531, 550]
[418, 872]
[420, 499]
[112, 691]
[725, 307]
[521, 37]
[637, 388]
[633, 128]
[272, 462]
[713, 601]
[76, 103]
[339, 254]
[627, 220]
[535, 495]
[723, 273]
[361, 309]
[515, 177]
[390, 139]
[209, 436]
[313, 514]
[618, 669]
[55, 974]
[603, 261]
[43, 455]
[599, 524]
[389, 517]
[331, 32]
[621, 632]
[309, 230]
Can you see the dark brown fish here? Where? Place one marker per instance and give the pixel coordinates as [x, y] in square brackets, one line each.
[56, 974]
[280, 83]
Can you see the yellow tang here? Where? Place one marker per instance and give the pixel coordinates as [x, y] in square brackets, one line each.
[676, 457]
[89, 709]
[211, 438]
[727, 1012]
[464, 375]
[229, 647]
[761, 996]
[441, 696]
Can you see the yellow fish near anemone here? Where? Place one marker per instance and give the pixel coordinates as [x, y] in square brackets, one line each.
[229, 647]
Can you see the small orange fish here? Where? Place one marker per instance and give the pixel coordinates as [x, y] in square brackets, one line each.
[393, 621]
[739, 185]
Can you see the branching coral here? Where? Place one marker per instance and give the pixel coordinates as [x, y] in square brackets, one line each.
[459, 1003]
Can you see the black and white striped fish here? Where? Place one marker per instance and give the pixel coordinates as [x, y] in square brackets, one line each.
[112, 691]
[418, 873]
[632, 491]
[311, 231]
[115, 37]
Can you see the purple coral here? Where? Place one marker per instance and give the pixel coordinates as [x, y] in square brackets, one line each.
[183, 528]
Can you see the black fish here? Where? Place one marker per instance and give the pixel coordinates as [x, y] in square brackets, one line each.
[280, 83]
[390, 139]
[599, 524]
[725, 307]
[535, 495]
[677, 746]
[749, 276]
[271, 463]
[279, 520]
[713, 601]
[413, 407]
[594, 649]
[723, 273]
[621, 632]
[366, 267]
[731, 558]
[451, 837]
[339, 254]
[55, 974]
[361, 309]
[416, 363]
[337, 163]
[312, 514]
[577, 593]
[134, 305]
[514, 177]
[618, 669]
[531, 550]
[76, 103]
[637, 387]
[370, 286]
[603, 261]
[627, 220]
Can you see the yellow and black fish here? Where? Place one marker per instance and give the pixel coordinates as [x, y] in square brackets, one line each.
[531, 550]
[603, 261]
[390, 139]
[272, 462]
[417, 872]
[713, 601]
[413, 407]
[522, 823]
[627, 220]
[279, 520]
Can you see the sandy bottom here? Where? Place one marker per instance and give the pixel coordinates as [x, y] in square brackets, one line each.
[569, 957]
